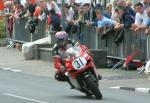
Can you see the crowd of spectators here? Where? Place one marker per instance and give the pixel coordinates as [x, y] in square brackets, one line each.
[116, 15]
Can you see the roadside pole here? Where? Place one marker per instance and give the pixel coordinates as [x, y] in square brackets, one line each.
[63, 18]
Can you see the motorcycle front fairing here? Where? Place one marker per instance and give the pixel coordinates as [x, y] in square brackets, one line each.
[78, 61]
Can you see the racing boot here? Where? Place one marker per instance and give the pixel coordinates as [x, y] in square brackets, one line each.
[99, 77]
[71, 85]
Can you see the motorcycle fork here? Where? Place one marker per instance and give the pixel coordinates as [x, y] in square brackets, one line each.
[86, 74]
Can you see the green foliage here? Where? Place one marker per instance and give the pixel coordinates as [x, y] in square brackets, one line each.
[2, 29]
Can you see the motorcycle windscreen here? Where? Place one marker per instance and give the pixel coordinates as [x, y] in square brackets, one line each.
[78, 62]
[74, 51]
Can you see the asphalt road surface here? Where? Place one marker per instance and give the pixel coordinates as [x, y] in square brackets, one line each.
[17, 87]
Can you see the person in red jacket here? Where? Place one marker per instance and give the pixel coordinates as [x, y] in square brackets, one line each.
[62, 44]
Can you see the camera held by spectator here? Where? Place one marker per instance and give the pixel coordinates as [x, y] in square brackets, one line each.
[6, 10]
[31, 24]
[21, 14]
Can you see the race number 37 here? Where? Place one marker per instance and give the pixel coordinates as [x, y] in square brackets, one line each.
[79, 63]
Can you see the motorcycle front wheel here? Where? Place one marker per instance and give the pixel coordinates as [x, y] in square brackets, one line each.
[91, 84]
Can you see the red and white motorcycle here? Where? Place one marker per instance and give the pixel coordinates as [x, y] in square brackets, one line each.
[81, 70]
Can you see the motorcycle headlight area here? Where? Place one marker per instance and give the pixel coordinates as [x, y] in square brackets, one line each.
[79, 63]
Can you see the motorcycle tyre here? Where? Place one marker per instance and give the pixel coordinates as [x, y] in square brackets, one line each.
[93, 87]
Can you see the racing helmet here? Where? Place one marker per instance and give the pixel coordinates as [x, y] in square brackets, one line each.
[61, 38]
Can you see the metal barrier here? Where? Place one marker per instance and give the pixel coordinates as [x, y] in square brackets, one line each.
[148, 47]
[22, 34]
[132, 42]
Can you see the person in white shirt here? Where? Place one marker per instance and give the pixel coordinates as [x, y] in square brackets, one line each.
[51, 4]
[141, 14]
[140, 17]
[82, 2]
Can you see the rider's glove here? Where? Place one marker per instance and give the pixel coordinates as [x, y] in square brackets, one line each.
[63, 69]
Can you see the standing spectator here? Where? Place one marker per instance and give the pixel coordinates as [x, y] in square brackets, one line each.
[90, 15]
[139, 20]
[107, 13]
[9, 9]
[71, 2]
[68, 13]
[144, 26]
[44, 10]
[103, 21]
[53, 22]
[115, 11]
[51, 4]
[146, 3]
[125, 17]
[146, 23]
[17, 9]
[30, 8]
[81, 15]
[75, 8]
[82, 2]
[108, 26]
[129, 8]
[69, 17]
[141, 14]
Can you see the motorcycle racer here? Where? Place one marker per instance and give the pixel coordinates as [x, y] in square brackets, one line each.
[62, 44]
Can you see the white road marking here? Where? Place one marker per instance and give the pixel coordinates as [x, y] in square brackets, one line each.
[117, 87]
[15, 70]
[25, 98]
[10, 69]
[6, 68]
[146, 90]
[142, 89]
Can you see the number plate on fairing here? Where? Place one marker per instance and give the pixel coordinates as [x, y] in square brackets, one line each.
[79, 63]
